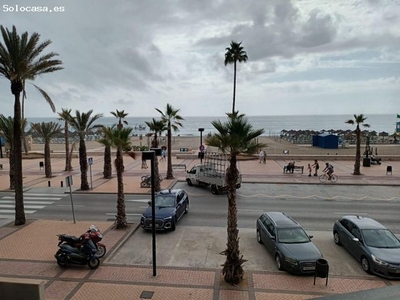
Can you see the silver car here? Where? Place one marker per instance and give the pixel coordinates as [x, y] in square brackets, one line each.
[375, 246]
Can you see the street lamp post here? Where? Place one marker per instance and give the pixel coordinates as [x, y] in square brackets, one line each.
[152, 156]
[201, 145]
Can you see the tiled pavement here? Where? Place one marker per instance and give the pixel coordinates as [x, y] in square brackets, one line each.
[27, 251]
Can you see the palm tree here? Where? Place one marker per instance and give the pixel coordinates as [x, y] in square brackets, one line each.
[234, 136]
[233, 55]
[158, 126]
[65, 114]
[120, 115]
[7, 130]
[20, 61]
[105, 140]
[46, 130]
[172, 121]
[82, 123]
[120, 139]
[358, 120]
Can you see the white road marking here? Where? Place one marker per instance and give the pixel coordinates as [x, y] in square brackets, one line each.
[44, 195]
[251, 210]
[350, 213]
[33, 198]
[25, 206]
[66, 205]
[27, 202]
[139, 200]
[12, 211]
[113, 214]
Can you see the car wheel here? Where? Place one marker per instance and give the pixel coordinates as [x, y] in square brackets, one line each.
[187, 207]
[365, 264]
[336, 238]
[278, 262]
[214, 189]
[259, 237]
[189, 182]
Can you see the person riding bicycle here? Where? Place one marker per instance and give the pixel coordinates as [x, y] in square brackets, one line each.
[329, 170]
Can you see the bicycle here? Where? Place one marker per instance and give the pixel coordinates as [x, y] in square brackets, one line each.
[324, 178]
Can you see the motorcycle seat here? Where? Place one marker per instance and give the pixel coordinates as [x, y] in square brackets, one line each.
[70, 249]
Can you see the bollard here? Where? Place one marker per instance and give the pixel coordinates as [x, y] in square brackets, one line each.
[48, 183]
[62, 183]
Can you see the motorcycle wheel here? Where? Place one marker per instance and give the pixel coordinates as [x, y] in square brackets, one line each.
[60, 261]
[93, 263]
[101, 251]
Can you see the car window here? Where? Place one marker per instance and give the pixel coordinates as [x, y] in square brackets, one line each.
[165, 201]
[356, 232]
[270, 227]
[345, 224]
[292, 236]
[380, 238]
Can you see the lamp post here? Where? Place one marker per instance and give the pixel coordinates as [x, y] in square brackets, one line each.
[152, 156]
[201, 148]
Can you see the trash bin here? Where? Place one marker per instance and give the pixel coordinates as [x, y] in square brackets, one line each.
[366, 162]
[321, 269]
[389, 170]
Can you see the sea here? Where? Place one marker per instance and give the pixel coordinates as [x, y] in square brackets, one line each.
[272, 125]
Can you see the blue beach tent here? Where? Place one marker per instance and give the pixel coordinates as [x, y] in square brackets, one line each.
[326, 140]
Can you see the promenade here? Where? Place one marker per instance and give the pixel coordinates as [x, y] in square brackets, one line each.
[27, 251]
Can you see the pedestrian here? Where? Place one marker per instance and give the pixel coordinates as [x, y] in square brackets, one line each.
[261, 156]
[163, 153]
[265, 157]
[316, 167]
[309, 170]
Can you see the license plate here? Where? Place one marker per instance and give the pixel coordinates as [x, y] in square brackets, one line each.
[309, 268]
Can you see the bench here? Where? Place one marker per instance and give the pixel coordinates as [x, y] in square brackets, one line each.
[295, 168]
[179, 166]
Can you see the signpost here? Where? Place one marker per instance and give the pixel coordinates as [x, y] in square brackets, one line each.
[69, 182]
[90, 163]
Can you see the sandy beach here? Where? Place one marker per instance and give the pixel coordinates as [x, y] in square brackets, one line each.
[274, 146]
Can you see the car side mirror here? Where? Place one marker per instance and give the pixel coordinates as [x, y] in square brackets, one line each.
[356, 240]
[310, 236]
[149, 203]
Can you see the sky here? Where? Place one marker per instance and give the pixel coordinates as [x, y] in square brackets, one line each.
[305, 57]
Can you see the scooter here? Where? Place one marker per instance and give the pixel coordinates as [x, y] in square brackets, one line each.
[85, 255]
[95, 236]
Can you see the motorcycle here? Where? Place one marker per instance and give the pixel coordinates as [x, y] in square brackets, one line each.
[95, 236]
[85, 255]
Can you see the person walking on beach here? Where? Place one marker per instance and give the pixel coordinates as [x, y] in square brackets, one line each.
[309, 170]
[163, 153]
[316, 167]
[265, 157]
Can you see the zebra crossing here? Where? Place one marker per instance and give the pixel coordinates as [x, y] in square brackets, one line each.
[32, 203]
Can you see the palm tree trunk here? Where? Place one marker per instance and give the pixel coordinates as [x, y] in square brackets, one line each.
[68, 166]
[107, 169]
[358, 152]
[12, 169]
[16, 89]
[234, 87]
[83, 164]
[170, 175]
[232, 268]
[47, 160]
[121, 222]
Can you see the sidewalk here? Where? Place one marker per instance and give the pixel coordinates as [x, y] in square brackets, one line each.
[27, 251]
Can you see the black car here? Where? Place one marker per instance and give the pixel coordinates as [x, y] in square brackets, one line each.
[287, 241]
[171, 205]
[375, 246]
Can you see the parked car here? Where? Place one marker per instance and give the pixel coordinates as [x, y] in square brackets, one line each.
[170, 206]
[375, 246]
[288, 243]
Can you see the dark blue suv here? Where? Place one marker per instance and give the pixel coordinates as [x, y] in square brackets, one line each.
[171, 205]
